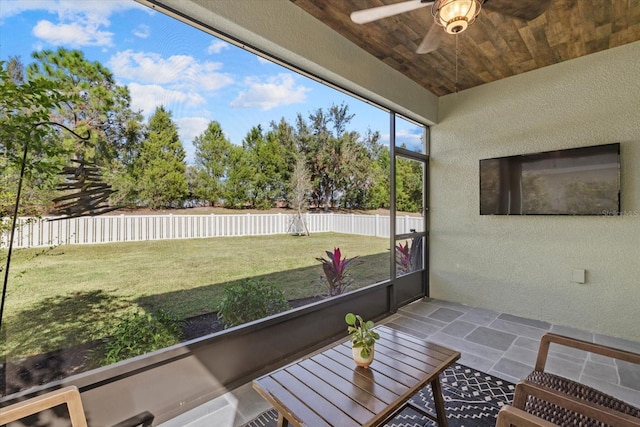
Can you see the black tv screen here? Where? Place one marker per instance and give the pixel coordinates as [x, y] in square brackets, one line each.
[576, 181]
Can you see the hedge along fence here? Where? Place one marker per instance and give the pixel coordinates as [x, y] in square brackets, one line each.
[51, 231]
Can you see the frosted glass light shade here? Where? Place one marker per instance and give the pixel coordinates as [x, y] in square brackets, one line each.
[455, 15]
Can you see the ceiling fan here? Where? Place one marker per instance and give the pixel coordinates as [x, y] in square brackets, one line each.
[454, 16]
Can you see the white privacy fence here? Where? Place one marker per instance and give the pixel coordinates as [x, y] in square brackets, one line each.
[31, 232]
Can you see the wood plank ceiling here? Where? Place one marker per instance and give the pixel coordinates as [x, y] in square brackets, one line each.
[494, 47]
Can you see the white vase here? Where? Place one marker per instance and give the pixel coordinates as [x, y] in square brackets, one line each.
[363, 362]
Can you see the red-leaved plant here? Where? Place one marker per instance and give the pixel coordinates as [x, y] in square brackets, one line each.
[408, 257]
[403, 257]
[335, 271]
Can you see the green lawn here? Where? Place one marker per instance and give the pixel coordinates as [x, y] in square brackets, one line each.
[68, 295]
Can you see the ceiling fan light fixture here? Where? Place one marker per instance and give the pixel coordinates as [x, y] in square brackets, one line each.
[455, 15]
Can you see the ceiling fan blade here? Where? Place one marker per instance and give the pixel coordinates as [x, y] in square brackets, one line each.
[523, 9]
[431, 41]
[375, 13]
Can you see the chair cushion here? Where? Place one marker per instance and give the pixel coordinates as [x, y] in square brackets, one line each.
[564, 417]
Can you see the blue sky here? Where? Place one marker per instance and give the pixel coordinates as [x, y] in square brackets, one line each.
[196, 76]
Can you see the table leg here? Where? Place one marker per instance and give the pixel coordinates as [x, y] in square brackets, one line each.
[438, 400]
[282, 421]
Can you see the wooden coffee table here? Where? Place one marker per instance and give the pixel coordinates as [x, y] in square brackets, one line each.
[327, 389]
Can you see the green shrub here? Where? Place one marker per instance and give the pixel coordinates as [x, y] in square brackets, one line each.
[248, 301]
[139, 333]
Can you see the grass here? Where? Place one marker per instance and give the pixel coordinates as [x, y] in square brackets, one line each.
[68, 295]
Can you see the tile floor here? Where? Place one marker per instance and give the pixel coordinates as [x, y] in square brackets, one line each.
[499, 344]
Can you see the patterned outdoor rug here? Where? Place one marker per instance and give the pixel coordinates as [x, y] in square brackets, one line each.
[472, 399]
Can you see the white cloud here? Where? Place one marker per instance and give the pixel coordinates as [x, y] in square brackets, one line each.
[275, 91]
[67, 8]
[15, 7]
[180, 71]
[143, 31]
[263, 60]
[412, 138]
[148, 97]
[73, 34]
[409, 137]
[79, 23]
[217, 46]
[190, 127]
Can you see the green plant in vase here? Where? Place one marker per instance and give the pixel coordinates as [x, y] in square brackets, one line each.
[363, 339]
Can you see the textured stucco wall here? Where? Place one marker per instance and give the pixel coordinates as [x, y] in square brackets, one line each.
[522, 265]
[282, 29]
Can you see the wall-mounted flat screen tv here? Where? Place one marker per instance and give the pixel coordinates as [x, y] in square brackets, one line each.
[576, 181]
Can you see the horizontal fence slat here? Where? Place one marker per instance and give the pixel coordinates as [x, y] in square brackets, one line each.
[51, 231]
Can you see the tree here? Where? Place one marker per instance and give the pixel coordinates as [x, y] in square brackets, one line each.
[409, 178]
[307, 142]
[29, 154]
[15, 70]
[379, 195]
[161, 169]
[284, 134]
[98, 103]
[211, 163]
[357, 174]
[299, 192]
[238, 185]
[25, 106]
[340, 162]
[319, 147]
[340, 117]
[266, 158]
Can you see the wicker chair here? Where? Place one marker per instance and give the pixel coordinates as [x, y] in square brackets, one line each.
[544, 399]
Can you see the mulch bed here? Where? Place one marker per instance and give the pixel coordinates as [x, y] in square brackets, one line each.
[41, 369]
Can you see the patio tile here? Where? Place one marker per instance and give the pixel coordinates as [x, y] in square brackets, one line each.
[570, 353]
[522, 355]
[563, 367]
[617, 343]
[418, 325]
[446, 314]
[527, 343]
[402, 328]
[464, 346]
[602, 359]
[476, 362]
[437, 323]
[249, 402]
[623, 393]
[452, 305]
[517, 329]
[599, 371]
[524, 321]
[629, 374]
[219, 409]
[513, 368]
[480, 316]
[458, 328]
[491, 338]
[572, 332]
[420, 308]
[389, 319]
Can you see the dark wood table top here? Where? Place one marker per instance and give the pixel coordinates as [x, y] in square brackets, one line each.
[327, 389]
